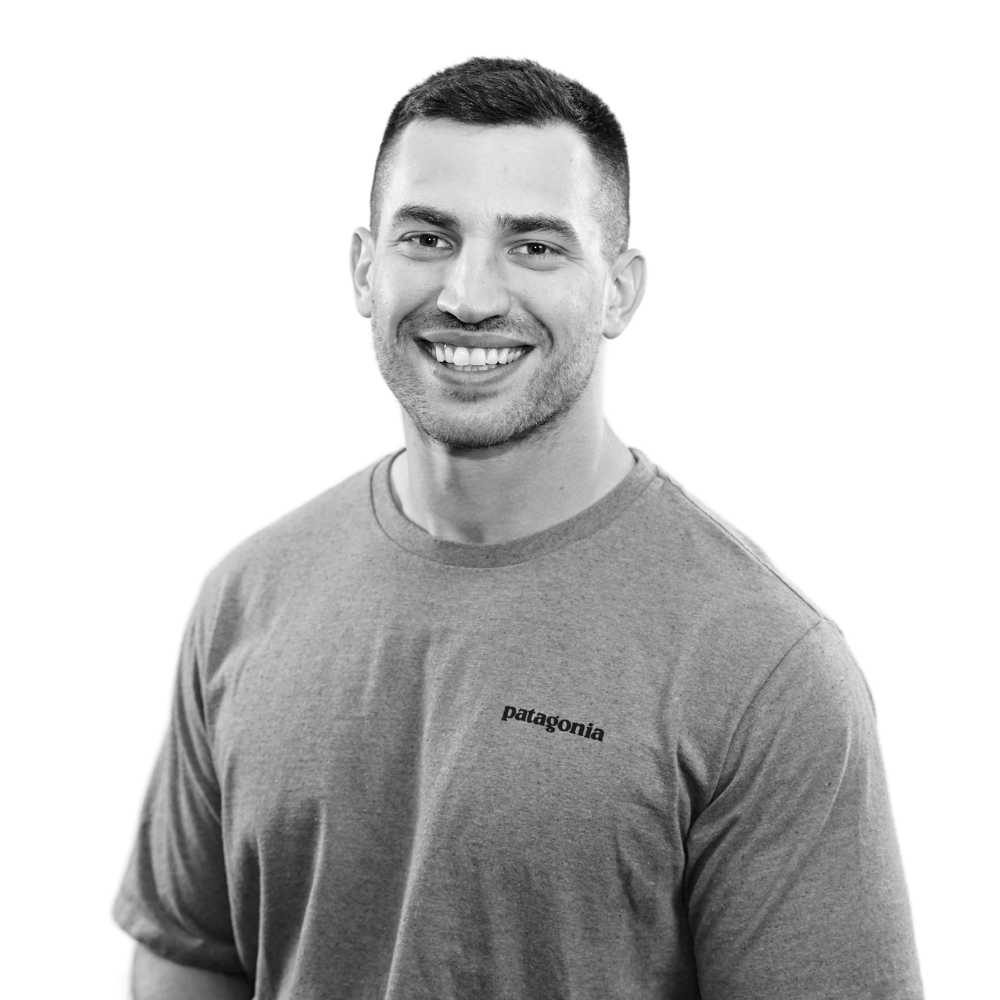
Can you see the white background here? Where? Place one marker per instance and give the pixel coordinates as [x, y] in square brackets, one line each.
[816, 188]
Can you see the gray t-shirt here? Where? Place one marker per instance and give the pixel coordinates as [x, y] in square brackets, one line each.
[620, 758]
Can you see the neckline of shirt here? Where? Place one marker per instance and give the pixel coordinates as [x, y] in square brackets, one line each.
[415, 540]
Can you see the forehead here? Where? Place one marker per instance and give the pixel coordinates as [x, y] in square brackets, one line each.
[472, 170]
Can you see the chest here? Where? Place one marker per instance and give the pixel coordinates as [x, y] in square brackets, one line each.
[517, 732]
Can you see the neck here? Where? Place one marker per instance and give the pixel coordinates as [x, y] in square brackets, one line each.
[494, 495]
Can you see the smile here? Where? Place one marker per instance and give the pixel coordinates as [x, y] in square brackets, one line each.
[473, 359]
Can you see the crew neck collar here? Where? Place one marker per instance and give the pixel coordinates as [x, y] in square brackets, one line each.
[414, 539]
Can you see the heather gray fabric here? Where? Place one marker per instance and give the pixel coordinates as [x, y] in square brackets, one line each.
[351, 801]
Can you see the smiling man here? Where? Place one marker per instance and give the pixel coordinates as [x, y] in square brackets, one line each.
[509, 714]
[497, 267]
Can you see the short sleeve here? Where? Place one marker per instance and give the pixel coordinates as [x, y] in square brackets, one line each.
[174, 896]
[794, 883]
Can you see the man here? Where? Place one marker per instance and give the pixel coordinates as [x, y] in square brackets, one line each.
[509, 714]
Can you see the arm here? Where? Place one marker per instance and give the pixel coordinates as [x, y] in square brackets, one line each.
[154, 978]
[174, 898]
[795, 886]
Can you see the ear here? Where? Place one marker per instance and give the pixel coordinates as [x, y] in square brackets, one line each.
[628, 277]
[362, 262]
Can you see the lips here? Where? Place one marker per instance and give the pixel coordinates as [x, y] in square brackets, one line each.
[484, 340]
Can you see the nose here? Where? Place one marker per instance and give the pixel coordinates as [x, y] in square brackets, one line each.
[474, 288]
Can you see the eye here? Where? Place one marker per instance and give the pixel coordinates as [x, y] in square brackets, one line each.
[426, 241]
[535, 250]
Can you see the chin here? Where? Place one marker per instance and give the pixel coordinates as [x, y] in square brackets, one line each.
[493, 431]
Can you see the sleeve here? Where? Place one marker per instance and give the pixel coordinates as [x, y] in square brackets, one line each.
[174, 897]
[793, 881]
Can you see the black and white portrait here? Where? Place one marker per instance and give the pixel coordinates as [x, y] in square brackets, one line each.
[500, 501]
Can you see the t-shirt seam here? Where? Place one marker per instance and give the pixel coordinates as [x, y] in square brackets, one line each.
[743, 545]
[756, 696]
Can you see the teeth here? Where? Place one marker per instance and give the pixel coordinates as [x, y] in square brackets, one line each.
[476, 358]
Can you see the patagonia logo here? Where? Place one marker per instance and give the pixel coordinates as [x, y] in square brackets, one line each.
[552, 722]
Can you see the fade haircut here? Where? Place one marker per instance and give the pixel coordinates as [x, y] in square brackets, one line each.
[498, 92]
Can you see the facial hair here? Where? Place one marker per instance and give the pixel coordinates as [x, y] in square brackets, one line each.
[554, 386]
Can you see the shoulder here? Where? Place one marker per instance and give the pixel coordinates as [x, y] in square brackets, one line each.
[341, 512]
[286, 556]
[724, 554]
[708, 576]
[739, 634]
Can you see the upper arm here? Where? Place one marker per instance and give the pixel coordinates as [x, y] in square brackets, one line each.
[794, 883]
[154, 978]
[175, 894]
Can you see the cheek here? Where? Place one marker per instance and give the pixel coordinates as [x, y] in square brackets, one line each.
[385, 294]
[399, 288]
[572, 311]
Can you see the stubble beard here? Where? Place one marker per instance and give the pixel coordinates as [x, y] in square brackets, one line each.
[536, 410]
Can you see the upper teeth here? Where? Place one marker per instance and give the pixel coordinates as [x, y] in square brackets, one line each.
[477, 356]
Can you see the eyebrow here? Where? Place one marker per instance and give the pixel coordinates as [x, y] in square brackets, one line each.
[509, 225]
[424, 213]
[514, 225]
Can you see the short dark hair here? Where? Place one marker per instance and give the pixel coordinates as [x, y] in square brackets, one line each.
[520, 92]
